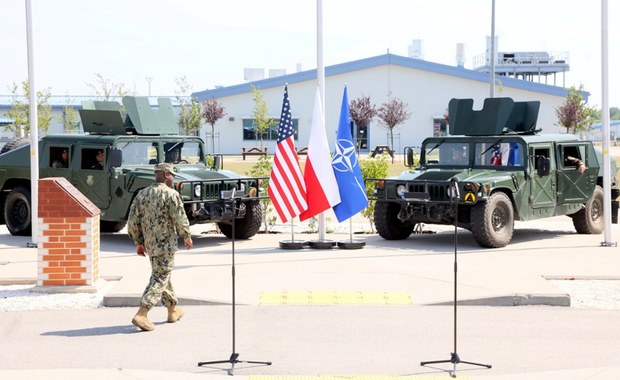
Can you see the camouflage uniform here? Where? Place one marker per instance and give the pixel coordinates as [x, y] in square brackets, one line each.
[154, 218]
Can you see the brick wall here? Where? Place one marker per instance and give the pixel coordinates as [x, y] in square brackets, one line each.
[68, 241]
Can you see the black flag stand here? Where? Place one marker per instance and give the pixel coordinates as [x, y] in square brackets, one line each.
[234, 357]
[454, 356]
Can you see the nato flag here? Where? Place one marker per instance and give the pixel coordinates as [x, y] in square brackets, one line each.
[346, 168]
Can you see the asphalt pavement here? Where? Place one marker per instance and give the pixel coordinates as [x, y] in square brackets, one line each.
[297, 309]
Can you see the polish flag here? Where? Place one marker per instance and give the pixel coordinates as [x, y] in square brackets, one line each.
[321, 185]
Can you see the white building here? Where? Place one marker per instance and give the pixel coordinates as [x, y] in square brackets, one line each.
[425, 87]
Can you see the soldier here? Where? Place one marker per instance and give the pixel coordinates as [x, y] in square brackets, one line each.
[64, 160]
[574, 161]
[155, 218]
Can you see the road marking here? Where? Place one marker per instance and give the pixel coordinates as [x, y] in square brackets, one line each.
[334, 298]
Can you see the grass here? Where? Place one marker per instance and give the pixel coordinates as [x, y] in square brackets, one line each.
[238, 165]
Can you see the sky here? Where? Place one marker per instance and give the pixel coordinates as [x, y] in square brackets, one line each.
[144, 43]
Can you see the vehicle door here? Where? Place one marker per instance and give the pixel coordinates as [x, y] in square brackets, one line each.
[573, 186]
[92, 175]
[542, 187]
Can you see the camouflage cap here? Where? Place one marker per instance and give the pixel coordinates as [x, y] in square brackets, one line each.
[165, 167]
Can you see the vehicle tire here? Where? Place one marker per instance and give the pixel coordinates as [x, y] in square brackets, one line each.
[248, 226]
[17, 212]
[387, 223]
[15, 143]
[589, 220]
[108, 226]
[492, 222]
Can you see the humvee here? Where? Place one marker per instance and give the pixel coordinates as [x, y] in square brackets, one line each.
[128, 141]
[493, 168]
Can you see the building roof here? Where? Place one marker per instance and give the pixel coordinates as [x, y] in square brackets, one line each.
[377, 61]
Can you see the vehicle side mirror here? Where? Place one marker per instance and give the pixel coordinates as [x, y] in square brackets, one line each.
[115, 157]
[409, 157]
[218, 163]
[543, 166]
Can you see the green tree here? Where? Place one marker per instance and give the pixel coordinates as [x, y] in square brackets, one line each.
[575, 115]
[212, 111]
[20, 110]
[373, 168]
[392, 113]
[262, 168]
[69, 118]
[614, 113]
[190, 116]
[108, 90]
[261, 114]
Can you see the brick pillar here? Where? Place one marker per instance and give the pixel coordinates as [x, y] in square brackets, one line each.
[68, 241]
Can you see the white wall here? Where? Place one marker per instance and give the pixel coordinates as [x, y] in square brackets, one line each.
[427, 95]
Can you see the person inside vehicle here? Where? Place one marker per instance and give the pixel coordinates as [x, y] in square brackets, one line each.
[173, 156]
[574, 161]
[63, 162]
[99, 160]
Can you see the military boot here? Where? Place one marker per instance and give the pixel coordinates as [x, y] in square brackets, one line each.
[174, 313]
[141, 320]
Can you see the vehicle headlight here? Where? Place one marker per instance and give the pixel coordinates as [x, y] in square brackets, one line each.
[197, 190]
[400, 190]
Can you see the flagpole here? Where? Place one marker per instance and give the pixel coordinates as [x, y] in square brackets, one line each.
[320, 74]
[605, 127]
[33, 121]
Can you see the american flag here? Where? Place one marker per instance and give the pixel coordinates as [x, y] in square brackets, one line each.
[287, 188]
[496, 155]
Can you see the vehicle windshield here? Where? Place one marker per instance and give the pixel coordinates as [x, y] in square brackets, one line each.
[183, 152]
[146, 153]
[447, 153]
[485, 154]
[498, 154]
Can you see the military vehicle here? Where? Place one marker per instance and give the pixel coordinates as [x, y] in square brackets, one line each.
[114, 159]
[494, 168]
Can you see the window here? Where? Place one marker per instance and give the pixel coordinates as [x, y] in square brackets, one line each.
[499, 154]
[249, 130]
[139, 153]
[449, 153]
[93, 159]
[59, 157]
[440, 127]
[572, 156]
[189, 152]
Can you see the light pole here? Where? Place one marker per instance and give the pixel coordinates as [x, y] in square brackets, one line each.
[149, 80]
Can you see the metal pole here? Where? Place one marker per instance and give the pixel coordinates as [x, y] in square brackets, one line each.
[492, 53]
[320, 75]
[606, 127]
[34, 130]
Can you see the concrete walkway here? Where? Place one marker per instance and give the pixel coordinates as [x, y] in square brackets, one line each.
[332, 338]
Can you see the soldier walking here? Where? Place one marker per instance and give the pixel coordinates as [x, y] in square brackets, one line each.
[155, 219]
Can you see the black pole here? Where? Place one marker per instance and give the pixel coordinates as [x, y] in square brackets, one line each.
[454, 356]
[234, 357]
